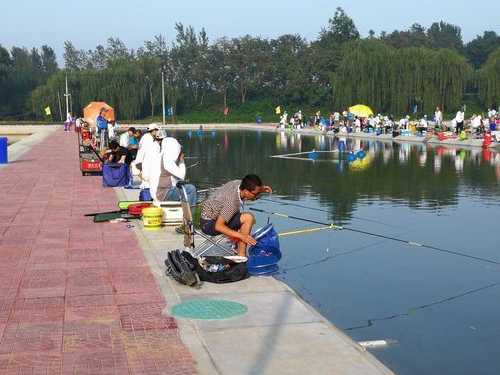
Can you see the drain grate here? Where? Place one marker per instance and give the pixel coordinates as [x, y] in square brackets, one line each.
[205, 309]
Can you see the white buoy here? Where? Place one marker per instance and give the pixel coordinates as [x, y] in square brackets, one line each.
[374, 344]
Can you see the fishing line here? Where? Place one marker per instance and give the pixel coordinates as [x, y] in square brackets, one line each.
[322, 210]
[302, 206]
[326, 259]
[193, 165]
[412, 310]
[407, 242]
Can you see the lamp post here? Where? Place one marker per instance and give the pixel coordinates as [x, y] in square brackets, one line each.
[67, 97]
[163, 92]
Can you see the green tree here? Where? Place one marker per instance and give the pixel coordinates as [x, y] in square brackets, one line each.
[340, 29]
[415, 36]
[478, 49]
[489, 80]
[445, 35]
[419, 76]
[73, 58]
[49, 61]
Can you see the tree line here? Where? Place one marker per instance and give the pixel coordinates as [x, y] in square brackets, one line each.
[395, 72]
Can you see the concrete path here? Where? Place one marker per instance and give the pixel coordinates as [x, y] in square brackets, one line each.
[280, 333]
[75, 297]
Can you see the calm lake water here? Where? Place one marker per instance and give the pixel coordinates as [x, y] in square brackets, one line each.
[441, 310]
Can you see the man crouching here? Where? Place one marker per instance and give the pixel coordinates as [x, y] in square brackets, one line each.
[220, 213]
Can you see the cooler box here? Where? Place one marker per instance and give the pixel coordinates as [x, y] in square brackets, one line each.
[172, 212]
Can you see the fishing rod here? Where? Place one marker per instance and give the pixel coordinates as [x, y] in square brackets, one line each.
[299, 205]
[406, 242]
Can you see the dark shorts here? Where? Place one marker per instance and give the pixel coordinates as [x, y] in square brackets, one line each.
[208, 226]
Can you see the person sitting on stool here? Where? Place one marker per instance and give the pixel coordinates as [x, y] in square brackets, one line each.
[220, 212]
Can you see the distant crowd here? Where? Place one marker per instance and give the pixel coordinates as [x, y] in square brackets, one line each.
[476, 125]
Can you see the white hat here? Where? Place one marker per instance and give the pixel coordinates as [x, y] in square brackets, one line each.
[152, 127]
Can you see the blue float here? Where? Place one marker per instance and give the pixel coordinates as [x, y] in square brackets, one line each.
[361, 154]
[313, 155]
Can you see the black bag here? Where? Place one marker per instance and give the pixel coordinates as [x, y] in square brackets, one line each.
[230, 271]
[181, 270]
[186, 269]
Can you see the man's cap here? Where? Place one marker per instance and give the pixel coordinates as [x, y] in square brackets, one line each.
[152, 127]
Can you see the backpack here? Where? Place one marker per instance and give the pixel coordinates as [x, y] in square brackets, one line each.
[181, 270]
[185, 269]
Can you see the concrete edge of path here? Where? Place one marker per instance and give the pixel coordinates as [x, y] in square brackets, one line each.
[38, 134]
[192, 334]
[188, 331]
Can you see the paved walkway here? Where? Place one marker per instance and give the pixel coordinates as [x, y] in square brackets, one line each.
[75, 297]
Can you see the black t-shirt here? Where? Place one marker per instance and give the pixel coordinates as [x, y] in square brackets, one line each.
[119, 153]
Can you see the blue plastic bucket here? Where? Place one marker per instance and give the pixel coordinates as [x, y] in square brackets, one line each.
[4, 158]
[263, 257]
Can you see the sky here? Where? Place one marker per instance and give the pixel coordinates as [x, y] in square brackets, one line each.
[32, 23]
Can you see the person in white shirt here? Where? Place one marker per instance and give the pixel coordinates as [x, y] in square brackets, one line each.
[125, 137]
[459, 118]
[113, 128]
[438, 117]
[402, 123]
[371, 122]
[476, 122]
[174, 170]
[68, 122]
[146, 158]
[357, 125]
[283, 120]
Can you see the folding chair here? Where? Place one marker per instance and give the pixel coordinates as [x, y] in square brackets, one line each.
[216, 245]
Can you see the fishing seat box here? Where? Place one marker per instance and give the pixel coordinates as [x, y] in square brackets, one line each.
[172, 212]
[89, 163]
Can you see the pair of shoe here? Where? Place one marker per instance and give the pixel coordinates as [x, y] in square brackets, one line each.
[181, 229]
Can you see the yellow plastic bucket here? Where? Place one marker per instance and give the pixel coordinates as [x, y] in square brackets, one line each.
[152, 217]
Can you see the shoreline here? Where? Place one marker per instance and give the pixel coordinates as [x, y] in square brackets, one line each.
[270, 127]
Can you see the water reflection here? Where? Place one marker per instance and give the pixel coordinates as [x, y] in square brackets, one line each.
[422, 176]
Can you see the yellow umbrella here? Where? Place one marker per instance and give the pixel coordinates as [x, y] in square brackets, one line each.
[361, 110]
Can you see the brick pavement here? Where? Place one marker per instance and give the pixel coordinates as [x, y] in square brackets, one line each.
[75, 297]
